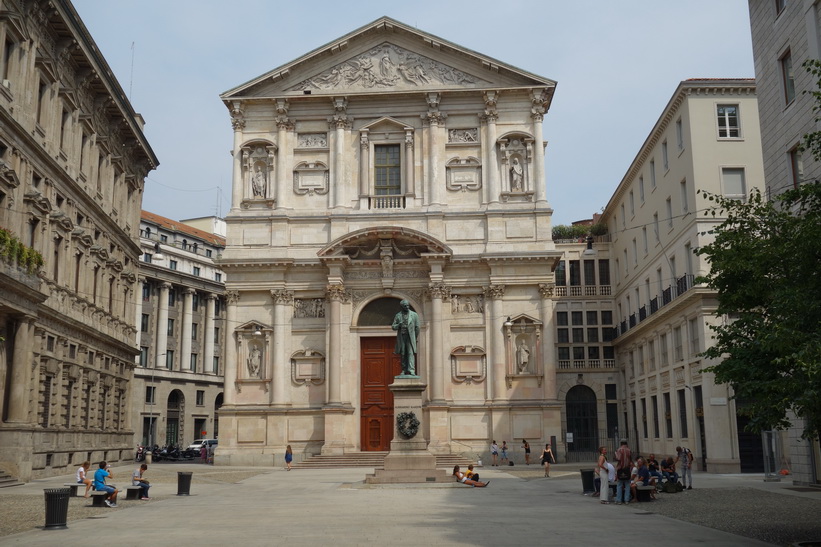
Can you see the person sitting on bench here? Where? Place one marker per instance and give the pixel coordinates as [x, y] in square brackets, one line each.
[99, 484]
[668, 470]
[464, 480]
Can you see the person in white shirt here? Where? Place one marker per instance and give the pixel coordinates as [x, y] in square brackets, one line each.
[82, 476]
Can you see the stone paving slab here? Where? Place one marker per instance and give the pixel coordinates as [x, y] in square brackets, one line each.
[332, 507]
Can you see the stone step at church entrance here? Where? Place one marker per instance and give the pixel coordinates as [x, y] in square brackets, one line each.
[372, 459]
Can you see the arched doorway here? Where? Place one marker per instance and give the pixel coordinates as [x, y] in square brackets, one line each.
[582, 423]
[175, 409]
[378, 366]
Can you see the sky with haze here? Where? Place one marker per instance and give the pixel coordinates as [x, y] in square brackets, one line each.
[617, 64]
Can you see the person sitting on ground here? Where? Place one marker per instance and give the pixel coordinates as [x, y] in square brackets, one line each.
[137, 479]
[82, 476]
[668, 470]
[99, 484]
[471, 474]
[464, 480]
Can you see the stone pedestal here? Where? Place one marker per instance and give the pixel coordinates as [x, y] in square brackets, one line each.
[409, 460]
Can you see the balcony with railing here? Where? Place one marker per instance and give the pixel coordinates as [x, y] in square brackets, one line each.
[577, 364]
[583, 290]
[677, 289]
[386, 202]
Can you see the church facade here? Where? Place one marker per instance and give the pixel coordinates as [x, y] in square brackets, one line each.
[388, 165]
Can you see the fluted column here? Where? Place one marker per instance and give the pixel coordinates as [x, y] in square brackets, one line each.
[283, 301]
[162, 326]
[336, 295]
[494, 295]
[339, 123]
[410, 183]
[546, 306]
[364, 164]
[537, 113]
[19, 396]
[232, 298]
[490, 117]
[281, 192]
[208, 333]
[238, 123]
[437, 291]
[187, 321]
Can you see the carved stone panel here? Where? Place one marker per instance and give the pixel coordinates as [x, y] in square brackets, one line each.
[467, 303]
[312, 140]
[468, 364]
[309, 308]
[311, 178]
[387, 66]
[463, 136]
[464, 174]
[307, 366]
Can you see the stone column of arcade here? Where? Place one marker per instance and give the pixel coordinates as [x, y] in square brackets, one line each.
[335, 411]
[238, 123]
[495, 294]
[208, 360]
[548, 340]
[437, 409]
[537, 113]
[187, 322]
[162, 326]
[490, 117]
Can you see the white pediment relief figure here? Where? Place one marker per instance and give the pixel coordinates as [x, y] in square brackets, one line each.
[388, 66]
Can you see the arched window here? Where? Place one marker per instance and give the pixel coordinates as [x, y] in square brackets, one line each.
[380, 312]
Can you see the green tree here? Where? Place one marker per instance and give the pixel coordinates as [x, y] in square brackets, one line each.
[766, 267]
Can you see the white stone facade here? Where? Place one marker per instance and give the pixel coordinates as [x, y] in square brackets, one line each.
[73, 159]
[656, 220]
[387, 165]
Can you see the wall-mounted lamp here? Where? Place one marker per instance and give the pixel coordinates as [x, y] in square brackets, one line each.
[508, 323]
[257, 331]
[157, 252]
[590, 251]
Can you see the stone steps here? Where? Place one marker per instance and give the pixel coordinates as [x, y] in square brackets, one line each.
[371, 459]
[7, 480]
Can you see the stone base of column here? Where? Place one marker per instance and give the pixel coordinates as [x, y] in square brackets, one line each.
[336, 437]
[409, 460]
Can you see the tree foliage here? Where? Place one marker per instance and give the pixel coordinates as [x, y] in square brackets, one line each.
[766, 267]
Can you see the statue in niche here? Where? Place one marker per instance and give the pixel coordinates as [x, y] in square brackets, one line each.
[258, 180]
[522, 356]
[254, 360]
[406, 325]
[454, 304]
[516, 175]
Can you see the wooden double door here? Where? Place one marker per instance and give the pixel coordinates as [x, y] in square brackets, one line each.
[379, 365]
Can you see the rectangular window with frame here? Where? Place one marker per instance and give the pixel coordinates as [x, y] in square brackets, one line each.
[733, 183]
[644, 416]
[196, 271]
[216, 335]
[170, 330]
[641, 189]
[592, 336]
[564, 354]
[200, 397]
[604, 271]
[172, 297]
[218, 277]
[561, 277]
[665, 160]
[728, 127]
[684, 200]
[682, 412]
[679, 135]
[169, 359]
[215, 365]
[577, 318]
[655, 402]
[592, 318]
[678, 350]
[787, 76]
[172, 264]
[144, 323]
[668, 416]
[387, 169]
[193, 364]
[663, 350]
[694, 337]
[150, 395]
[575, 273]
[146, 292]
[578, 336]
[669, 204]
[561, 318]
[143, 356]
[209, 253]
[796, 167]
[652, 173]
[194, 329]
[589, 272]
[563, 336]
[606, 317]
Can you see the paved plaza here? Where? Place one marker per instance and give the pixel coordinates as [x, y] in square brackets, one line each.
[326, 507]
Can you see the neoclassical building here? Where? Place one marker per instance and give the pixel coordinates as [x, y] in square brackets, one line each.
[178, 381]
[73, 158]
[388, 164]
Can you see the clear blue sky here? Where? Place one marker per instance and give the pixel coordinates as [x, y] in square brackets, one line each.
[616, 63]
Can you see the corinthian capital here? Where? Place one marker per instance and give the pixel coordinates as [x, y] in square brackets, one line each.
[494, 292]
[282, 296]
[232, 297]
[337, 293]
[439, 290]
[546, 290]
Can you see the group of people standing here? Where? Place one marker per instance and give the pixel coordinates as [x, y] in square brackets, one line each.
[495, 453]
[630, 473]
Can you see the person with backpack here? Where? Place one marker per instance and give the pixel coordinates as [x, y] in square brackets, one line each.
[624, 467]
[685, 458]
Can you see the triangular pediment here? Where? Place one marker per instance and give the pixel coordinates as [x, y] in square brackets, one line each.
[385, 123]
[386, 56]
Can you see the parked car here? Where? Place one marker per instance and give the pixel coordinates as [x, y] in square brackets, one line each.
[197, 445]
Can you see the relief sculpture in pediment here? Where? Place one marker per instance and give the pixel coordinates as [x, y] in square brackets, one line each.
[387, 66]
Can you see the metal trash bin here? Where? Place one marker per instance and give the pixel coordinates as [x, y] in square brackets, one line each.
[184, 483]
[588, 480]
[56, 508]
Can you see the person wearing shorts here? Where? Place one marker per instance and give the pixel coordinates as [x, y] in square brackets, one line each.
[494, 453]
[99, 484]
[504, 453]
